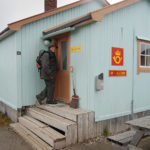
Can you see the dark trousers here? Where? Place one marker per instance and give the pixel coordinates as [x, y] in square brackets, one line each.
[48, 91]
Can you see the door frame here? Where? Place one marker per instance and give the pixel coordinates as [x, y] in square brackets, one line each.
[56, 39]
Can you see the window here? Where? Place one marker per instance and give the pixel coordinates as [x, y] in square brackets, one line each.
[64, 55]
[143, 56]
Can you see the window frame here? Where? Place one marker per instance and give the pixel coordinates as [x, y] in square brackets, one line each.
[139, 67]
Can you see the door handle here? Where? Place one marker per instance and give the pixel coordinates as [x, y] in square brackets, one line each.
[71, 69]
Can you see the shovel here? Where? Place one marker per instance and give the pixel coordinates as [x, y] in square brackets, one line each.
[75, 98]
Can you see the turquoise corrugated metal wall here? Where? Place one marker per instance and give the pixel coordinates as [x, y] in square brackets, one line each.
[142, 81]
[8, 71]
[31, 44]
[118, 29]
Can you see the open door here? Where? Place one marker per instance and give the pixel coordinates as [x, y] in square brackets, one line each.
[62, 88]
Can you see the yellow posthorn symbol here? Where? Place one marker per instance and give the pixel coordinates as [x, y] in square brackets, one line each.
[117, 59]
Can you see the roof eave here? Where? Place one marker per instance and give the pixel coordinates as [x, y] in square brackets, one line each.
[98, 15]
[6, 34]
[18, 24]
[70, 23]
[3, 31]
[82, 20]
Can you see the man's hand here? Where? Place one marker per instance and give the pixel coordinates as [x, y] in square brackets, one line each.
[51, 77]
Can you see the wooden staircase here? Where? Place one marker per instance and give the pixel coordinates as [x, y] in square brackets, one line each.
[48, 127]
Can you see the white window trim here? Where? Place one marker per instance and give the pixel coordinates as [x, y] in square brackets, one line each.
[139, 67]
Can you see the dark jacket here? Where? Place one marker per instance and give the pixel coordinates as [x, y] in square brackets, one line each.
[49, 65]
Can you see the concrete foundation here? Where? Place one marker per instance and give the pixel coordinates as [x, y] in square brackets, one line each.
[116, 125]
[11, 113]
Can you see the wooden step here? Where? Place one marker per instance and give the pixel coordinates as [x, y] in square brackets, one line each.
[69, 127]
[85, 119]
[64, 111]
[47, 134]
[35, 142]
[50, 118]
[122, 138]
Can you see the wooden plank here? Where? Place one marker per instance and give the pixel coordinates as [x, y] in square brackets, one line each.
[50, 119]
[56, 110]
[78, 111]
[126, 141]
[85, 126]
[71, 135]
[143, 122]
[59, 140]
[48, 134]
[56, 136]
[29, 137]
[39, 124]
[64, 111]
[137, 137]
[82, 127]
[60, 144]
[36, 130]
[122, 138]
[92, 125]
[44, 128]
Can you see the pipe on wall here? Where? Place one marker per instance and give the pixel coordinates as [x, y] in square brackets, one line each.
[132, 101]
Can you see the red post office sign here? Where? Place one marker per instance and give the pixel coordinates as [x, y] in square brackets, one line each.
[117, 73]
[117, 56]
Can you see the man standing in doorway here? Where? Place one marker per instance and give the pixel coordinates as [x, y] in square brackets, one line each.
[48, 74]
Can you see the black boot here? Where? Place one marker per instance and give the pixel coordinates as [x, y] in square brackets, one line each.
[38, 100]
[51, 102]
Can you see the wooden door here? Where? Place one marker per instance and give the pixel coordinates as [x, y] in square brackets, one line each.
[62, 88]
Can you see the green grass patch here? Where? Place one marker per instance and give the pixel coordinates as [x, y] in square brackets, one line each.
[4, 120]
[106, 132]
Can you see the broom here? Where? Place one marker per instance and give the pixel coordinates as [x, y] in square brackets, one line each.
[75, 98]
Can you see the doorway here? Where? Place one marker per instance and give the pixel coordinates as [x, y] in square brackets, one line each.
[62, 87]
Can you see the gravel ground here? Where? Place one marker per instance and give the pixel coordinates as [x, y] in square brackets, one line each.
[99, 143]
[9, 140]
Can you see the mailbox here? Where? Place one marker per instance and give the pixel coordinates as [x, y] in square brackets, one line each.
[100, 82]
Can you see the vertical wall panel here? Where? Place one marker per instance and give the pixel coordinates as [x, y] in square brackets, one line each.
[8, 72]
[19, 67]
